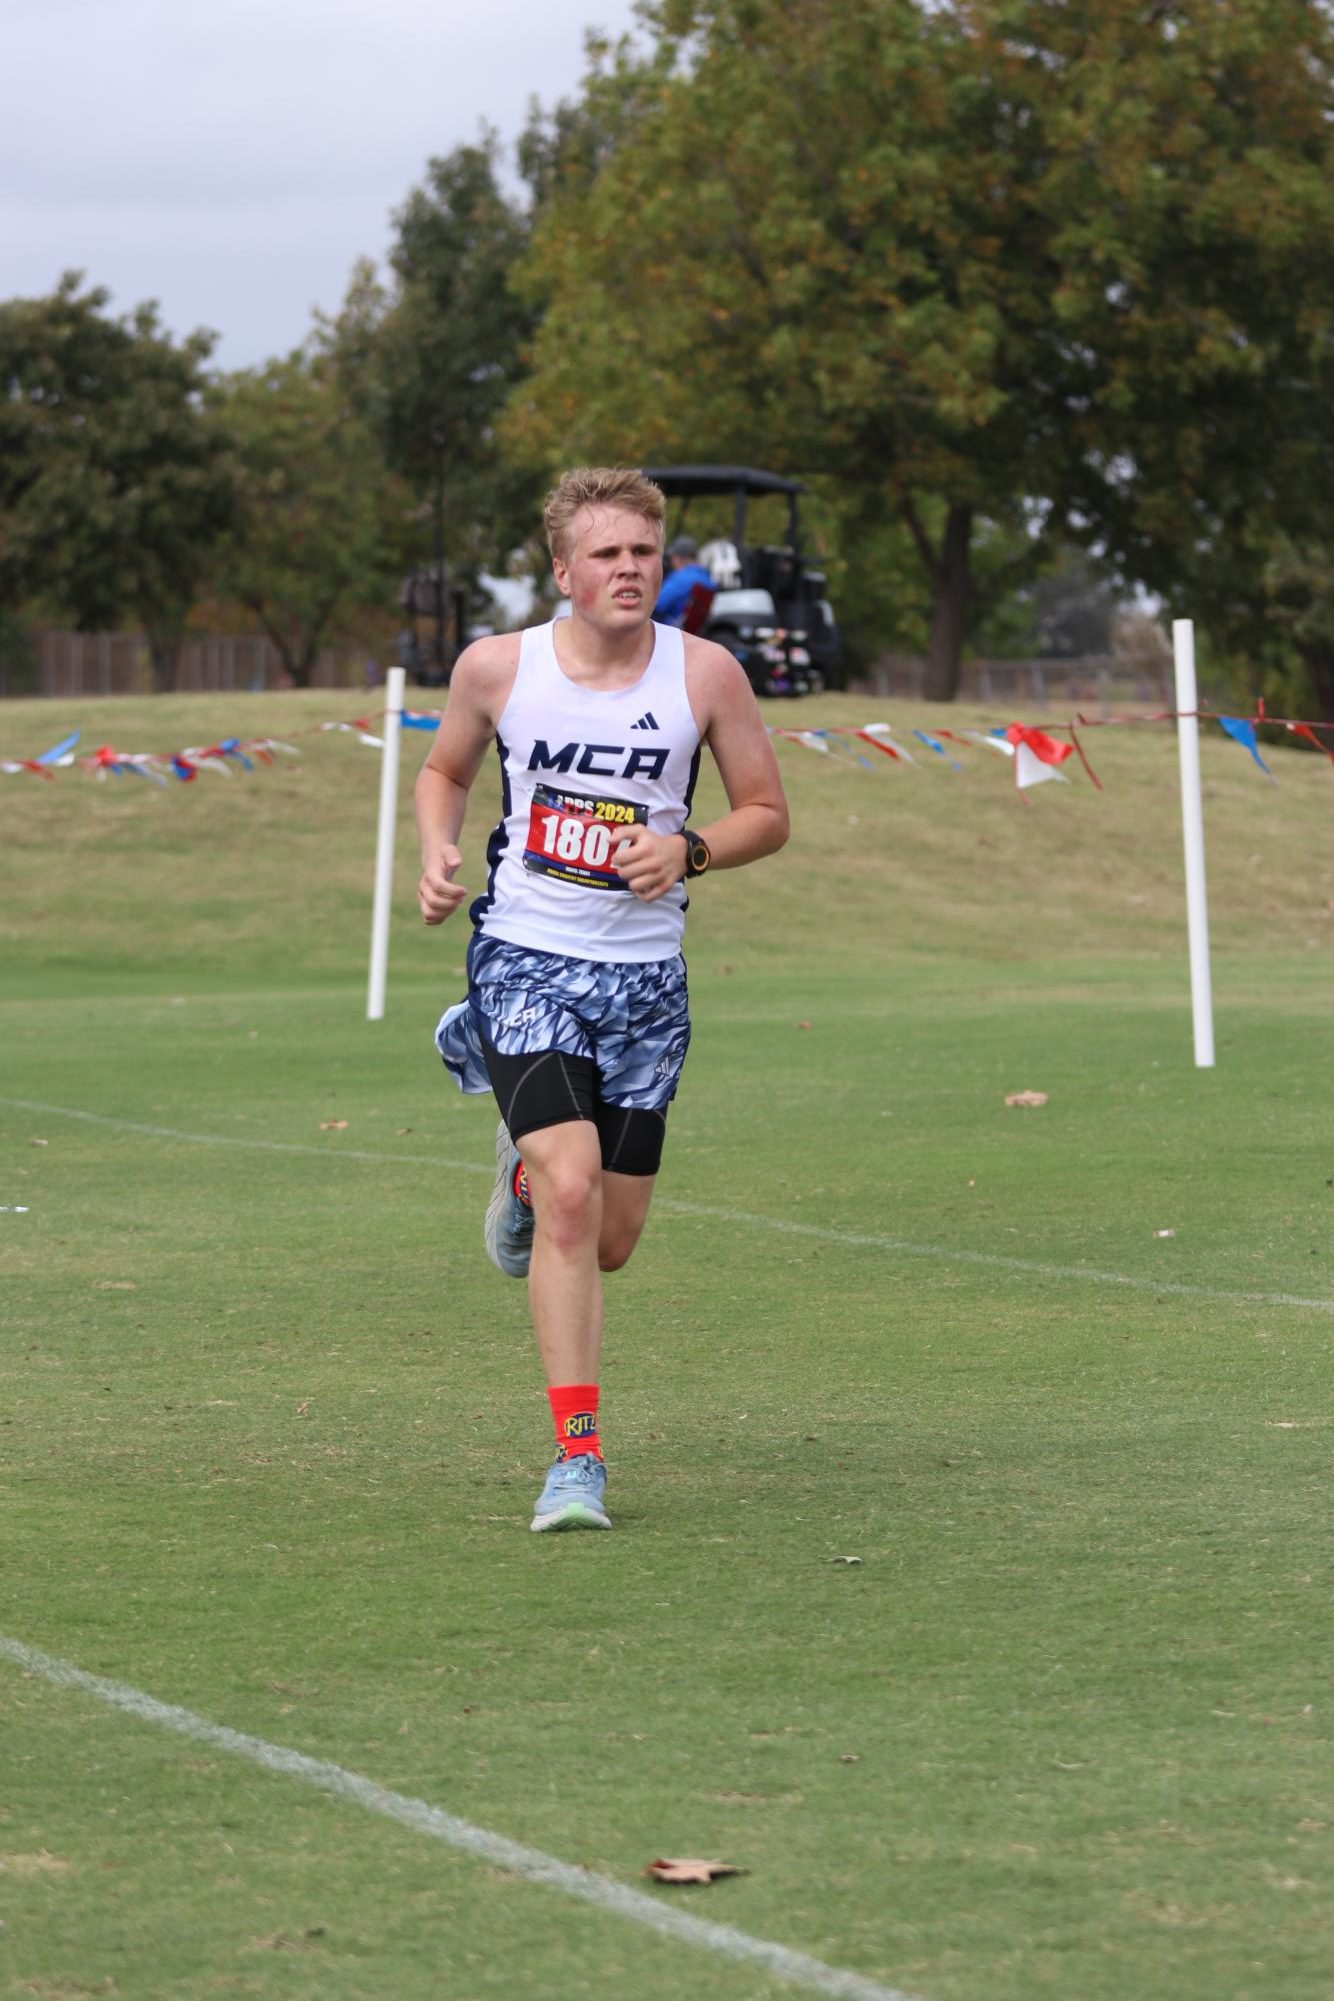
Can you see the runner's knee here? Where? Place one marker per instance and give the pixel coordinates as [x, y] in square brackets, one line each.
[567, 1199]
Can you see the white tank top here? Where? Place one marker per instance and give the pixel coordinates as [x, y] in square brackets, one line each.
[577, 764]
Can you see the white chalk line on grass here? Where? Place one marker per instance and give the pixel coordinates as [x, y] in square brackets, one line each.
[531, 1863]
[995, 1261]
[255, 1145]
[820, 1232]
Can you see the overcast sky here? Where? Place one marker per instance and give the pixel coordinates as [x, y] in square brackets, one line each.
[233, 158]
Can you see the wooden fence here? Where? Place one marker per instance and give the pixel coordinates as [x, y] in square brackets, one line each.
[1103, 682]
[79, 665]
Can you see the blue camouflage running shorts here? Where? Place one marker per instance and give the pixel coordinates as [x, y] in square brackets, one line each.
[630, 1020]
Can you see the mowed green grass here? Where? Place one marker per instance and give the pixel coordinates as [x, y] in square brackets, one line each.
[271, 1426]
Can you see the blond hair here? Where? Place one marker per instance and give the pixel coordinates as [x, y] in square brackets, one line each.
[599, 486]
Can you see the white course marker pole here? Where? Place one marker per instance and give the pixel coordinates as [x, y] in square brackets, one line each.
[1192, 825]
[384, 842]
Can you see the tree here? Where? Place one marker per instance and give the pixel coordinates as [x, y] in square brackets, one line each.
[115, 482]
[997, 261]
[1200, 292]
[1074, 608]
[322, 528]
[430, 358]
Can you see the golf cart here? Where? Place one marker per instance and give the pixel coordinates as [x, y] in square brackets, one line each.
[769, 607]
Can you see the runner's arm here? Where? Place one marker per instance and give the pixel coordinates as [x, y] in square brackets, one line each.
[733, 728]
[730, 723]
[476, 696]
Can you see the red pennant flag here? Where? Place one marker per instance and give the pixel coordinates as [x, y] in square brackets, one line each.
[1044, 747]
[1308, 735]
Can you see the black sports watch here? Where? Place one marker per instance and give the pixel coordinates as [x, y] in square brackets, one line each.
[697, 852]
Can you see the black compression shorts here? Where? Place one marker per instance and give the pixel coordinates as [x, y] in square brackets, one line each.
[551, 1088]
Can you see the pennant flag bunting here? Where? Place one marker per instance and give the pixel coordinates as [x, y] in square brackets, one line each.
[934, 743]
[12, 765]
[60, 753]
[360, 729]
[1308, 735]
[1042, 746]
[882, 736]
[836, 743]
[1037, 756]
[1030, 768]
[878, 742]
[1243, 733]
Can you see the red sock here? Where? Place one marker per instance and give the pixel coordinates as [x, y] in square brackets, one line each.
[574, 1406]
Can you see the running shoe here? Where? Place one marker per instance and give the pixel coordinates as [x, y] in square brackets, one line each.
[572, 1496]
[508, 1230]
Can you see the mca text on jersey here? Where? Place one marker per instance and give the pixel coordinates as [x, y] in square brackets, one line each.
[651, 761]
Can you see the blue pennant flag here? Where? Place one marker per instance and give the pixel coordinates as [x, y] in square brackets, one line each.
[58, 750]
[1244, 733]
[933, 743]
[413, 721]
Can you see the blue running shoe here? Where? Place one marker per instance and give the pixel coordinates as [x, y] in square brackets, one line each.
[508, 1230]
[572, 1496]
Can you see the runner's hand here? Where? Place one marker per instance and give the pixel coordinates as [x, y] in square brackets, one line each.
[438, 895]
[650, 863]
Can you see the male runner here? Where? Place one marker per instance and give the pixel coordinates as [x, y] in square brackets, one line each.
[576, 1014]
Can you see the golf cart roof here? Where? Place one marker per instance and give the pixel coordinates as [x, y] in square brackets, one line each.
[720, 479]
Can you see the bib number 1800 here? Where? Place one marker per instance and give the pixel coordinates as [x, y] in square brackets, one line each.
[574, 838]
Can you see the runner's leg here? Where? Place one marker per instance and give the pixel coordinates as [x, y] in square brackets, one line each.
[625, 1205]
[564, 1165]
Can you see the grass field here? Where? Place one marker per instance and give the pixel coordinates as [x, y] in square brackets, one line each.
[271, 1426]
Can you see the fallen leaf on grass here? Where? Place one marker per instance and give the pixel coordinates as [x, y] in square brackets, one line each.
[1027, 1098]
[39, 1142]
[847, 1559]
[678, 1869]
[114, 1285]
[333, 1125]
[803, 1024]
[1164, 1233]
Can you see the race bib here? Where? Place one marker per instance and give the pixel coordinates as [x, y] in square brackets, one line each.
[574, 838]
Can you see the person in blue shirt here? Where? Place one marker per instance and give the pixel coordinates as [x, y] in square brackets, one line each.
[684, 572]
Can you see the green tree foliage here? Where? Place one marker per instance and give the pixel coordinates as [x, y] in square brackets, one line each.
[1195, 168]
[115, 479]
[1053, 268]
[1296, 668]
[323, 528]
[431, 356]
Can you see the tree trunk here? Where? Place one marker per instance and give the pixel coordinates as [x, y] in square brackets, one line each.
[1319, 663]
[300, 666]
[164, 653]
[297, 658]
[950, 583]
